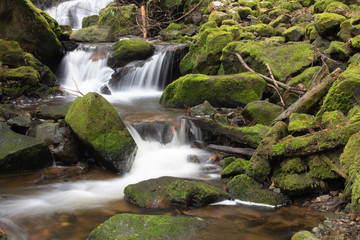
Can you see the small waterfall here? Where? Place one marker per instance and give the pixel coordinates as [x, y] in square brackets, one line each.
[72, 12]
[153, 74]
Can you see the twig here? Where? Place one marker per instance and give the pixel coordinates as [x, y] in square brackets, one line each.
[332, 166]
[319, 75]
[77, 86]
[283, 85]
[276, 87]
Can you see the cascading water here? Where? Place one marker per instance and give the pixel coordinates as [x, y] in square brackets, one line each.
[72, 12]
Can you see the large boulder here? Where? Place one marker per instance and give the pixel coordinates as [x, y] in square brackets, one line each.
[264, 111]
[96, 122]
[225, 91]
[21, 21]
[126, 51]
[21, 153]
[166, 191]
[146, 227]
[328, 24]
[285, 60]
[93, 33]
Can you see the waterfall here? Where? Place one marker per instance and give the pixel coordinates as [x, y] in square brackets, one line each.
[72, 12]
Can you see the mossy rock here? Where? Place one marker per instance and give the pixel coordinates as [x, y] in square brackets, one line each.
[93, 33]
[318, 169]
[285, 60]
[301, 122]
[126, 51]
[344, 93]
[96, 122]
[164, 192]
[218, 17]
[311, 32]
[338, 51]
[297, 184]
[239, 166]
[262, 30]
[225, 91]
[264, 111]
[20, 153]
[354, 114]
[345, 31]
[328, 24]
[90, 21]
[305, 77]
[205, 51]
[122, 20]
[295, 34]
[320, 6]
[307, 3]
[337, 7]
[290, 5]
[148, 227]
[21, 21]
[283, 18]
[355, 42]
[204, 109]
[53, 24]
[247, 189]
[244, 12]
[227, 161]
[293, 165]
[304, 235]
[274, 41]
[336, 118]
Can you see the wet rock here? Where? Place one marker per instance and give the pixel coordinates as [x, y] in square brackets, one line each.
[98, 125]
[158, 227]
[105, 90]
[164, 192]
[264, 111]
[93, 34]
[53, 112]
[304, 235]
[63, 172]
[21, 153]
[158, 130]
[70, 45]
[204, 109]
[247, 189]
[239, 166]
[20, 124]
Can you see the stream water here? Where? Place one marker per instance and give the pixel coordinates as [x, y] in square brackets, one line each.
[70, 208]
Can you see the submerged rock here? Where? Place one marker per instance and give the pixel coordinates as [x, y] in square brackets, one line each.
[148, 227]
[96, 122]
[21, 153]
[166, 191]
[224, 90]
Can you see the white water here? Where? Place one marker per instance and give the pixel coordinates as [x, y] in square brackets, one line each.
[72, 12]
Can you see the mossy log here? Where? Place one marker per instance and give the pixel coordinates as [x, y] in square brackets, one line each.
[240, 151]
[313, 143]
[309, 99]
[250, 136]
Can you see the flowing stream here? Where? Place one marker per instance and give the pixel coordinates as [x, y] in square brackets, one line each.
[70, 208]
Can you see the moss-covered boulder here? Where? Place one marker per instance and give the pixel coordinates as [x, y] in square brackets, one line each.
[345, 31]
[302, 235]
[344, 93]
[355, 42]
[226, 91]
[164, 192]
[354, 114]
[96, 122]
[293, 165]
[328, 24]
[239, 166]
[264, 111]
[333, 119]
[338, 50]
[21, 21]
[122, 20]
[90, 21]
[148, 227]
[338, 8]
[21, 153]
[262, 30]
[295, 34]
[125, 51]
[285, 60]
[205, 51]
[300, 122]
[320, 6]
[247, 189]
[93, 33]
[305, 77]
[218, 17]
[319, 169]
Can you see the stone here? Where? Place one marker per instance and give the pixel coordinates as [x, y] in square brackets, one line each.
[20, 153]
[165, 192]
[328, 24]
[300, 122]
[90, 21]
[204, 109]
[225, 91]
[98, 125]
[22, 22]
[218, 17]
[141, 227]
[93, 33]
[20, 124]
[247, 189]
[293, 165]
[304, 235]
[239, 166]
[333, 119]
[295, 34]
[305, 77]
[338, 51]
[264, 111]
[52, 112]
[125, 51]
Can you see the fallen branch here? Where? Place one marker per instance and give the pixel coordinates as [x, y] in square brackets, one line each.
[269, 80]
[78, 90]
[317, 78]
[333, 166]
[312, 97]
[276, 87]
[241, 151]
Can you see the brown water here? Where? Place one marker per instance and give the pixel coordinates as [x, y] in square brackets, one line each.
[225, 222]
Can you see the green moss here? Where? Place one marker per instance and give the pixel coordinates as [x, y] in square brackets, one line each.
[336, 7]
[298, 183]
[328, 23]
[93, 33]
[304, 235]
[244, 12]
[319, 169]
[338, 51]
[264, 111]
[194, 89]
[90, 21]
[301, 122]
[157, 227]
[136, 49]
[291, 5]
[293, 165]
[218, 17]
[344, 33]
[305, 77]
[335, 117]
[295, 33]
[52, 23]
[227, 161]
[354, 114]
[320, 6]
[311, 32]
[239, 166]
[261, 30]
[355, 42]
